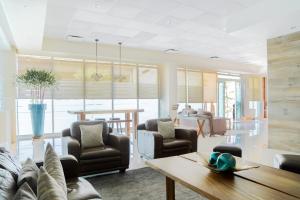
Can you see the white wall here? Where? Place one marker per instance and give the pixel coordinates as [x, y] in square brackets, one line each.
[7, 97]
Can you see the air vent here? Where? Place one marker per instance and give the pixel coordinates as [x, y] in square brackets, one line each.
[214, 57]
[171, 51]
[74, 38]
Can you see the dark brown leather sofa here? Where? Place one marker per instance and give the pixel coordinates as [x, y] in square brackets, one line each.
[152, 145]
[114, 156]
[78, 188]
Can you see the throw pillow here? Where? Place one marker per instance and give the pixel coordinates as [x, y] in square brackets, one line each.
[53, 166]
[91, 136]
[166, 129]
[29, 175]
[25, 193]
[48, 188]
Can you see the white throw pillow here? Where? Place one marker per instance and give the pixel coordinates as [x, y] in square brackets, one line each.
[54, 168]
[166, 129]
[91, 136]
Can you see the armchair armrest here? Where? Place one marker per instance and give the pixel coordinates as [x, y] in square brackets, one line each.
[150, 143]
[70, 166]
[73, 147]
[188, 134]
[66, 132]
[121, 142]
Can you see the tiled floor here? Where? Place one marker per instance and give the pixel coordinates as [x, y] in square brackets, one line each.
[251, 136]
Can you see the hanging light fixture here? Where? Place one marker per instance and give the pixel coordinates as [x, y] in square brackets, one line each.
[96, 76]
[120, 77]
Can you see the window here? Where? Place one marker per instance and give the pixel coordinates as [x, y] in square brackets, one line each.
[128, 86]
[148, 92]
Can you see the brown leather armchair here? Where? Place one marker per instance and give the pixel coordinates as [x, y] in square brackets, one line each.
[152, 145]
[114, 156]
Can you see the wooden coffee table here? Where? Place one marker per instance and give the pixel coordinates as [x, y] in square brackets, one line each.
[257, 183]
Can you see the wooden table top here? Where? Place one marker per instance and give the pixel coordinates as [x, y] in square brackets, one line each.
[104, 111]
[202, 180]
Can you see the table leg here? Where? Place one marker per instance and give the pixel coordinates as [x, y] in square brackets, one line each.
[81, 117]
[200, 127]
[170, 189]
[127, 123]
[135, 123]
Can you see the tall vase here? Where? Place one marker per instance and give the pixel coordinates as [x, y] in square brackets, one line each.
[37, 119]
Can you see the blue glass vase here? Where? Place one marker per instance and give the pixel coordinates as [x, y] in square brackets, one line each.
[37, 119]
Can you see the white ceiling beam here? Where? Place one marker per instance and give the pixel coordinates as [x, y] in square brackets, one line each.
[27, 21]
[268, 10]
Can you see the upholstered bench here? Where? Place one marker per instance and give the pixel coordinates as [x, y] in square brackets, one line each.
[234, 150]
[287, 162]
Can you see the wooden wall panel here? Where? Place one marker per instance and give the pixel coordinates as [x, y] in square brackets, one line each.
[284, 92]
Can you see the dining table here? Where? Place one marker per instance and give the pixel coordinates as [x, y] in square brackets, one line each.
[131, 115]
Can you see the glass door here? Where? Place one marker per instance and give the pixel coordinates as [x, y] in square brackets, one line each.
[229, 98]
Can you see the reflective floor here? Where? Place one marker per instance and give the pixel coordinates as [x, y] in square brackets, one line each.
[251, 136]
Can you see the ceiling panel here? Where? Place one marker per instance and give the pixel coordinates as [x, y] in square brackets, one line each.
[210, 28]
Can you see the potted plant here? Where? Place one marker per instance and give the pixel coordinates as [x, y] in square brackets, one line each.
[37, 81]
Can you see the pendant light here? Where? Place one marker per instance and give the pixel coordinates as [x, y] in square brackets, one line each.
[96, 76]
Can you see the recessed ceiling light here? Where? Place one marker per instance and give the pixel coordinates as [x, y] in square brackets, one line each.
[214, 57]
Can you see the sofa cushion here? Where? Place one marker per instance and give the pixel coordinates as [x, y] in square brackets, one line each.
[53, 166]
[176, 143]
[151, 124]
[9, 163]
[81, 189]
[29, 175]
[99, 152]
[166, 129]
[25, 193]
[91, 136]
[7, 185]
[76, 133]
[48, 188]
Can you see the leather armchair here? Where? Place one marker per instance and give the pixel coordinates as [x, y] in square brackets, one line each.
[114, 155]
[151, 144]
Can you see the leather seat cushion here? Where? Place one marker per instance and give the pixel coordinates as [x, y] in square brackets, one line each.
[81, 189]
[288, 162]
[176, 143]
[99, 152]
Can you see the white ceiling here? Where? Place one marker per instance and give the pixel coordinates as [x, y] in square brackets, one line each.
[231, 29]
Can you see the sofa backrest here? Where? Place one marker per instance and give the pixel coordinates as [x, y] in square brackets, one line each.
[151, 124]
[76, 133]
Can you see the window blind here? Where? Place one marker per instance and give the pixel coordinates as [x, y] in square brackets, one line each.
[124, 81]
[30, 62]
[98, 89]
[148, 83]
[181, 86]
[69, 75]
[254, 84]
[209, 87]
[194, 79]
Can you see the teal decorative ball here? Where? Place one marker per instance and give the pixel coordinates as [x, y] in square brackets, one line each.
[213, 158]
[225, 162]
